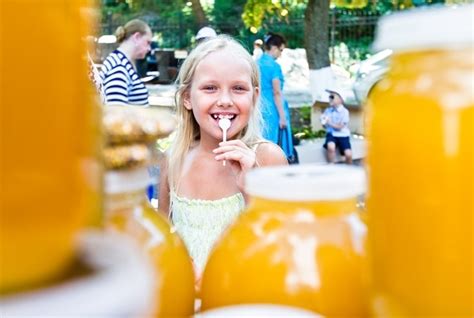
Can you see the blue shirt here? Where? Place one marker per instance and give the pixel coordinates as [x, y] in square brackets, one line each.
[120, 82]
[269, 70]
[337, 115]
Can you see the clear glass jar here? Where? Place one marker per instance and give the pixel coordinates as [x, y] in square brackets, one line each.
[127, 210]
[105, 261]
[420, 164]
[49, 172]
[299, 243]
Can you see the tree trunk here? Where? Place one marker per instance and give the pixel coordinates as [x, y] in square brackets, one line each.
[199, 13]
[316, 37]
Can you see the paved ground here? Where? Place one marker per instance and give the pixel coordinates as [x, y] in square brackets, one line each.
[312, 151]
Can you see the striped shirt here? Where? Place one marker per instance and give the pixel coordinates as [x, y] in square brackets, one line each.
[120, 82]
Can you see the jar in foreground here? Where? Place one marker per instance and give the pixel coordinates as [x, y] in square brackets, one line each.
[420, 166]
[300, 243]
[127, 210]
[49, 128]
[105, 262]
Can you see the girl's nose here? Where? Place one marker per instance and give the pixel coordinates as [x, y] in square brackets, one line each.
[224, 100]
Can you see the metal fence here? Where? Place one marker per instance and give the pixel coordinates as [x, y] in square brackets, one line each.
[344, 26]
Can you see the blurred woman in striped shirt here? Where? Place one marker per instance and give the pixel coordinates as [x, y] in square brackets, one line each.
[121, 84]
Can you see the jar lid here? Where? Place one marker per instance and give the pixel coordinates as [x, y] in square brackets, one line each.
[306, 182]
[119, 181]
[426, 28]
[257, 310]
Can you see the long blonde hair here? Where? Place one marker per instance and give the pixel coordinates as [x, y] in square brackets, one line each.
[188, 129]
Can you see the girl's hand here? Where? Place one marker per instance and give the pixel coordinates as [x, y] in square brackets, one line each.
[240, 157]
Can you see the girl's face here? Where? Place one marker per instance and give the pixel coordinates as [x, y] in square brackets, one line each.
[142, 44]
[221, 87]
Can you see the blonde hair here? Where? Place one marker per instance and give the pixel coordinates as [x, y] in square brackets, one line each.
[188, 129]
[131, 27]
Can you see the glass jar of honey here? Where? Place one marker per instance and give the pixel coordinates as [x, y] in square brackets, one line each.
[127, 210]
[300, 243]
[110, 278]
[49, 130]
[420, 166]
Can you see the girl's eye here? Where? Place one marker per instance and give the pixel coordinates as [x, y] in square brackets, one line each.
[240, 88]
[209, 88]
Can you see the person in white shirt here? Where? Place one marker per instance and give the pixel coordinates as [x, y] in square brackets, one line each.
[335, 120]
[257, 49]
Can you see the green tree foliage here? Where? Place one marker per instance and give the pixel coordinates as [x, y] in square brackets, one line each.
[226, 16]
[274, 15]
[175, 23]
[172, 21]
[257, 11]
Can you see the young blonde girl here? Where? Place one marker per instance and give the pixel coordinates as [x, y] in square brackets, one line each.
[202, 195]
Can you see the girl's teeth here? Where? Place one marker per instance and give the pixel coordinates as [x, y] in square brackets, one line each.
[220, 116]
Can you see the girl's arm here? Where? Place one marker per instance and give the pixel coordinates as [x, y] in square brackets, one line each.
[164, 195]
[278, 98]
[269, 154]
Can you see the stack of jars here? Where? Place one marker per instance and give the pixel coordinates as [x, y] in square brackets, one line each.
[130, 134]
[301, 243]
[50, 173]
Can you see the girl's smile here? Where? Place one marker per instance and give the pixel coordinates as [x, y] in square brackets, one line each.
[219, 115]
[222, 87]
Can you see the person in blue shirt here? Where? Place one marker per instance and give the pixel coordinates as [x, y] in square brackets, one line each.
[275, 110]
[335, 120]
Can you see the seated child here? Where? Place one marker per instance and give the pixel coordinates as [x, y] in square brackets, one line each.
[335, 119]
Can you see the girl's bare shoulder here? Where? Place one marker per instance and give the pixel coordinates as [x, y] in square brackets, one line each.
[269, 154]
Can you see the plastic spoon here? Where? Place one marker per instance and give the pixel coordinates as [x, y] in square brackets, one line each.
[224, 124]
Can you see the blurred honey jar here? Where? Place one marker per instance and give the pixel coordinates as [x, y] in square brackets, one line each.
[300, 243]
[110, 278]
[49, 178]
[127, 210]
[420, 166]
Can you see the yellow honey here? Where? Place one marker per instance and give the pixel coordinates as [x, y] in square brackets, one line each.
[420, 164]
[49, 175]
[128, 211]
[300, 243]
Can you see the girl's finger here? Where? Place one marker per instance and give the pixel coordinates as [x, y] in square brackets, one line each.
[232, 146]
[231, 155]
[231, 150]
[223, 149]
[235, 142]
[245, 161]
